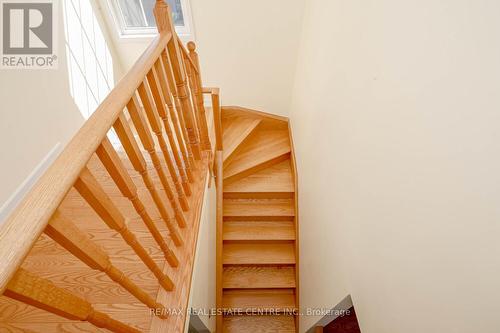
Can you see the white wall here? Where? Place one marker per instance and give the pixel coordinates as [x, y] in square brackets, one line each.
[396, 125]
[247, 48]
[36, 112]
[202, 296]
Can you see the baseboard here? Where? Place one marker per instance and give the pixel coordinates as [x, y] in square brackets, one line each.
[19, 194]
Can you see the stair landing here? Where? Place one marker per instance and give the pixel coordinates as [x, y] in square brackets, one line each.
[49, 260]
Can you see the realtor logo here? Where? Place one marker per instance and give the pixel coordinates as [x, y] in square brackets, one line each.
[28, 34]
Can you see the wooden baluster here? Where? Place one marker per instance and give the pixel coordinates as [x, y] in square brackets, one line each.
[64, 232]
[154, 121]
[149, 145]
[91, 191]
[191, 97]
[198, 92]
[145, 95]
[173, 88]
[159, 69]
[112, 162]
[190, 84]
[154, 85]
[43, 294]
[134, 154]
[164, 24]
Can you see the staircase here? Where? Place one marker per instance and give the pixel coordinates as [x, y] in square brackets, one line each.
[105, 241]
[257, 266]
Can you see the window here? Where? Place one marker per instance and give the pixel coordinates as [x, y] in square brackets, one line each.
[136, 18]
[90, 65]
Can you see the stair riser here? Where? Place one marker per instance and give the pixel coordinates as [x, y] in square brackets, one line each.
[258, 218]
[265, 277]
[258, 231]
[259, 324]
[258, 253]
[259, 195]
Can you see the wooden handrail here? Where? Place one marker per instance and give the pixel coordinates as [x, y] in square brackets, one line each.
[27, 222]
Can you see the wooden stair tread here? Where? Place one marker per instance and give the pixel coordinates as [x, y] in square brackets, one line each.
[275, 181]
[235, 130]
[265, 208]
[264, 253]
[244, 277]
[266, 147]
[279, 299]
[258, 230]
[259, 324]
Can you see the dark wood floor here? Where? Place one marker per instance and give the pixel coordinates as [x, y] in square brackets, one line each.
[344, 324]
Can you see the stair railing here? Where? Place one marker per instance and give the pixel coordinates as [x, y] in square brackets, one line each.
[161, 99]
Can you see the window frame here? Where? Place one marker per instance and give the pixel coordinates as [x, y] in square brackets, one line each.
[185, 32]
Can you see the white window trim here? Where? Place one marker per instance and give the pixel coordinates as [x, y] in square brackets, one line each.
[185, 32]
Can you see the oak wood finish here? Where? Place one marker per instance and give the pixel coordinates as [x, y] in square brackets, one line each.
[216, 109]
[92, 192]
[179, 298]
[258, 276]
[236, 130]
[198, 94]
[173, 89]
[258, 230]
[51, 261]
[264, 149]
[159, 101]
[43, 294]
[135, 155]
[270, 300]
[29, 219]
[293, 164]
[154, 122]
[180, 155]
[113, 196]
[259, 324]
[111, 161]
[64, 232]
[275, 182]
[192, 96]
[155, 89]
[256, 227]
[264, 253]
[167, 26]
[259, 248]
[259, 209]
[219, 237]
[149, 145]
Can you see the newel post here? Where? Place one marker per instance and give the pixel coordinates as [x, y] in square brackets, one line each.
[162, 16]
[202, 120]
[164, 23]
